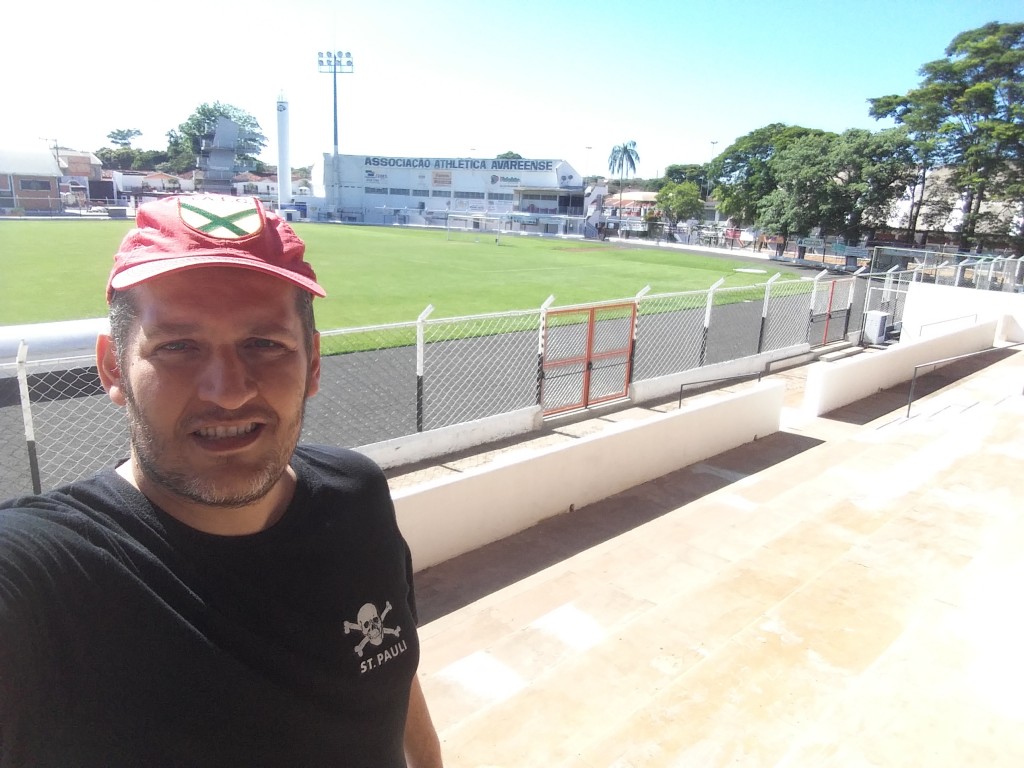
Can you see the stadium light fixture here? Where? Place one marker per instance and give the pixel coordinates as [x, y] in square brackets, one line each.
[335, 63]
[706, 177]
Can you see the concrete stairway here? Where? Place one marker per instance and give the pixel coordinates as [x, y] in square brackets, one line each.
[840, 593]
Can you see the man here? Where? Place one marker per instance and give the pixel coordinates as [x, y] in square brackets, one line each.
[223, 597]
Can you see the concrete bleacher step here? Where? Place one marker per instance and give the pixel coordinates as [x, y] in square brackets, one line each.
[772, 605]
[962, 397]
[667, 609]
[705, 576]
[841, 354]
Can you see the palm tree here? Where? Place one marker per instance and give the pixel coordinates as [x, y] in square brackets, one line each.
[623, 157]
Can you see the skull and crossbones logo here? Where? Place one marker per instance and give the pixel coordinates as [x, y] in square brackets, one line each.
[371, 624]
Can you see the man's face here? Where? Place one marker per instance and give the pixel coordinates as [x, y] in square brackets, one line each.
[215, 380]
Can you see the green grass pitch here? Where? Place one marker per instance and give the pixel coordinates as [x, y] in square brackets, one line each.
[57, 270]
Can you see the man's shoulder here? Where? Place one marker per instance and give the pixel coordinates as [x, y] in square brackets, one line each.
[66, 512]
[343, 481]
[47, 539]
[342, 462]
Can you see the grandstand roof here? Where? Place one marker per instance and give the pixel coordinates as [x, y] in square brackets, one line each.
[28, 162]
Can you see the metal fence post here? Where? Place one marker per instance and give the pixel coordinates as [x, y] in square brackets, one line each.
[420, 350]
[814, 300]
[540, 347]
[991, 273]
[849, 303]
[26, 416]
[636, 333]
[707, 320]
[764, 310]
[958, 273]
[887, 287]
[828, 311]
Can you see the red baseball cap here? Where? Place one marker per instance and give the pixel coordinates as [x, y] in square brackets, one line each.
[190, 231]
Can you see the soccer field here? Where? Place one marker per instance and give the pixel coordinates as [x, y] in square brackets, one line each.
[56, 270]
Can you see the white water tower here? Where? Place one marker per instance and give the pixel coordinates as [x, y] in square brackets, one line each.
[284, 166]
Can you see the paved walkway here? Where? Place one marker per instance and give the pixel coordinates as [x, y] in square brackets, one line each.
[842, 593]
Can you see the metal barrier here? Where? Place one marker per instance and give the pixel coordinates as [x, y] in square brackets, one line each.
[390, 381]
[943, 361]
[718, 380]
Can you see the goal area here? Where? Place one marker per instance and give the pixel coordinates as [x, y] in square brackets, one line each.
[475, 228]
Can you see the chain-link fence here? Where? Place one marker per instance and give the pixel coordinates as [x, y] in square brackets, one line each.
[611, 350]
[990, 274]
[477, 366]
[987, 273]
[670, 333]
[563, 359]
[68, 429]
[585, 355]
[785, 314]
[390, 381]
[734, 324]
[367, 386]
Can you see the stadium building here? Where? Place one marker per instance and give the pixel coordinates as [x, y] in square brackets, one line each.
[542, 196]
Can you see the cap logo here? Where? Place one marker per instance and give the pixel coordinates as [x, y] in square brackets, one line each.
[226, 218]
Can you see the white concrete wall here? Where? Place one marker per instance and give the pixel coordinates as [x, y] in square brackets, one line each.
[652, 389]
[67, 338]
[440, 442]
[448, 517]
[833, 385]
[934, 309]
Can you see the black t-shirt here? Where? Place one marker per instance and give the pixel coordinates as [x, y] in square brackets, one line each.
[130, 639]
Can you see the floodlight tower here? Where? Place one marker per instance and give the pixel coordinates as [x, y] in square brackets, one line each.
[335, 63]
[707, 179]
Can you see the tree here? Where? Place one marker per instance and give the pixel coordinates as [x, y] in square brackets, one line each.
[919, 120]
[509, 156]
[796, 202]
[120, 159]
[622, 158]
[678, 174]
[838, 184]
[680, 202]
[148, 159]
[969, 104]
[180, 155]
[184, 144]
[741, 175]
[122, 137]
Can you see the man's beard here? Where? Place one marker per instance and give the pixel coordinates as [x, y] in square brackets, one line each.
[150, 452]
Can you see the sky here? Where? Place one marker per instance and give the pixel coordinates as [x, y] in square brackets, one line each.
[549, 79]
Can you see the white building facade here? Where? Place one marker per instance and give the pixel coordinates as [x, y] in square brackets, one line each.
[375, 189]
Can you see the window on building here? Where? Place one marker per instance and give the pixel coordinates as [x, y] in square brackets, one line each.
[375, 190]
[36, 185]
[539, 196]
[441, 193]
[469, 195]
[499, 195]
[397, 191]
[421, 193]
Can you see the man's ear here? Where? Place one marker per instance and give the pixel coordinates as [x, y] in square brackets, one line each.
[314, 368]
[108, 369]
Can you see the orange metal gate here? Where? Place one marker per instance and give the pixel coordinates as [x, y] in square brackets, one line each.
[587, 356]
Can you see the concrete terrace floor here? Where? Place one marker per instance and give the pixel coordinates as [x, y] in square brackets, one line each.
[842, 593]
